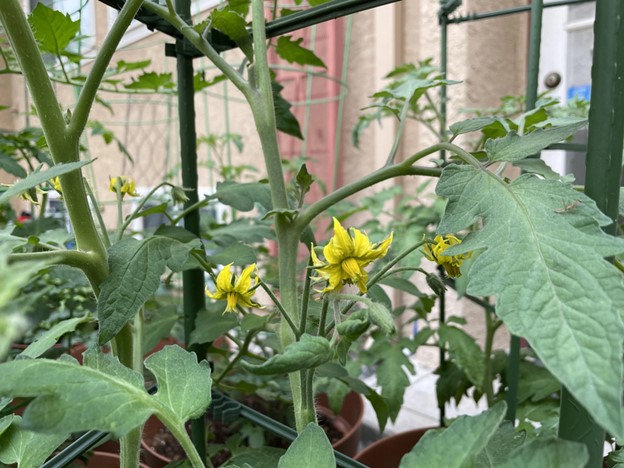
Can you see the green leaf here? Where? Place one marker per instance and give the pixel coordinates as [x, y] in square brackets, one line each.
[152, 81]
[73, 398]
[234, 26]
[199, 82]
[307, 353]
[50, 337]
[459, 444]
[157, 326]
[237, 253]
[10, 165]
[548, 452]
[53, 30]
[103, 394]
[26, 448]
[471, 125]
[244, 230]
[38, 177]
[313, 446]
[535, 383]
[174, 368]
[392, 378]
[262, 457]
[542, 257]
[538, 166]
[514, 147]
[211, 323]
[123, 66]
[135, 271]
[292, 51]
[244, 197]
[465, 352]
[285, 120]
[504, 441]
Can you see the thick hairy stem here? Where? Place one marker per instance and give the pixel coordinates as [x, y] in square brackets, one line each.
[130, 448]
[63, 146]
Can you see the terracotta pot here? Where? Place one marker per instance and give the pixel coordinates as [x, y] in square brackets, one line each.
[387, 452]
[348, 421]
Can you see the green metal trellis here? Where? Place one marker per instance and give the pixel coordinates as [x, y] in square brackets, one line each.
[603, 162]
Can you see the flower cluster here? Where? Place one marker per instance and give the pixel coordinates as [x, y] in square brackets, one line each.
[346, 257]
[435, 254]
[233, 290]
[124, 184]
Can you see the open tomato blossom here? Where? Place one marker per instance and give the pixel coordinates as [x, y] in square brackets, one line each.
[451, 264]
[126, 186]
[346, 256]
[235, 290]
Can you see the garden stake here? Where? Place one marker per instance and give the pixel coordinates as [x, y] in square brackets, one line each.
[192, 280]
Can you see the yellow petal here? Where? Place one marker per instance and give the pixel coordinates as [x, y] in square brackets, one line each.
[244, 282]
[361, 283]
[342, 240]
[224, 279]
[381, 250]
[352, 269]
[333, 253]
[232, 300]
[315, 260]
[361, 244]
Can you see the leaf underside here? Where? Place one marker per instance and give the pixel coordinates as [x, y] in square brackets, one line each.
[543, 257]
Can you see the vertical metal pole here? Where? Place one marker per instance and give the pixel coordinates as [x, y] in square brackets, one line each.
[193, 280]
[443, 18]
[530, 98]
[603, 172]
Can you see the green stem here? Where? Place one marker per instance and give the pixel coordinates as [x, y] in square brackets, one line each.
[490, 330]
[42, 211]
[98, 215]
[324, 309]
[399, 133]
[242, 351]
[130, 448]
[124, 225]
[195, 206]
[203, 46]
[280, 307]
[263, 109]
[179, 432]
[307, 215]
[306, 298]
[63, 145]
[100, 65]
[86, 261]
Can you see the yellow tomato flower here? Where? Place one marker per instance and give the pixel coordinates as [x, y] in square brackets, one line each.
[56, 183]
[346, 258]
[450, 264]
[235, 291]
[126, 186]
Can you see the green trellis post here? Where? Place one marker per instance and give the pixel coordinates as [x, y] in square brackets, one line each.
[193, 280]
[603, 175]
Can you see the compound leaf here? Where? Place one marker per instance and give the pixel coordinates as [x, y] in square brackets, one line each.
[542, 256]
